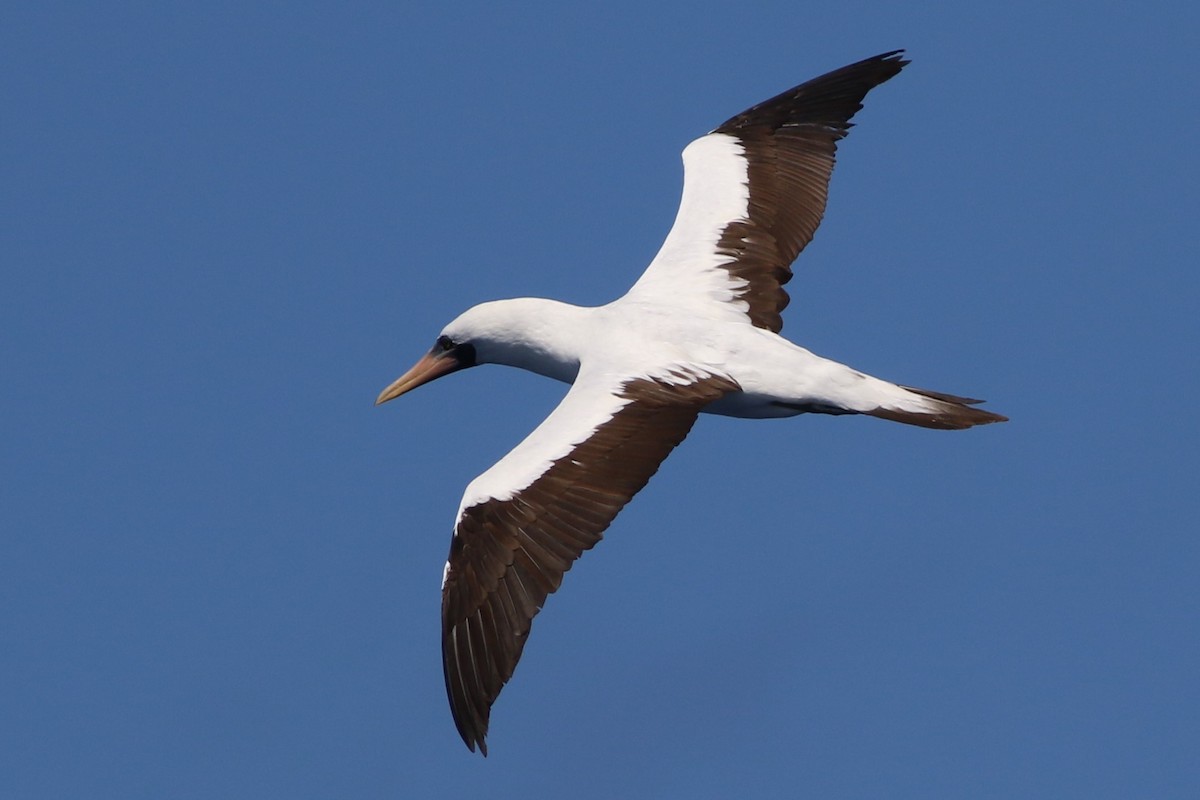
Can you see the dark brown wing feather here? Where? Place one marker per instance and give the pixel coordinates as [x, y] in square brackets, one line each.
[507, 556]
[790, 142]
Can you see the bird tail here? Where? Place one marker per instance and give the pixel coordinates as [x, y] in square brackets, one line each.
[934, 410]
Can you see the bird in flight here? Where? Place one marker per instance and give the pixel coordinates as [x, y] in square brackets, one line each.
[697, 333]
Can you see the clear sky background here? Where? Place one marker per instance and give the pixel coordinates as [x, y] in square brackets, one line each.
[227, 226]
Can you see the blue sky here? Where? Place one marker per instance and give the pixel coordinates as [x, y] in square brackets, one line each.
[226, 228]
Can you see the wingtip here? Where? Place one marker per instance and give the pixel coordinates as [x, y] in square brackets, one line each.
[892, 56]
[892, 60]
[831, 99]
[475, 742]
[473, 736]
[895, 58]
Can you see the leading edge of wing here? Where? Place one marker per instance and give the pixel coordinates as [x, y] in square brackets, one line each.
[525, 521]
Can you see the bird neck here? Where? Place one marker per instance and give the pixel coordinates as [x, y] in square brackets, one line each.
[542, 336]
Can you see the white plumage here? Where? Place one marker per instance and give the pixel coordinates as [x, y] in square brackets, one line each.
[698, 333]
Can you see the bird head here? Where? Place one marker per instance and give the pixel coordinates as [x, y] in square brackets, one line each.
[447, 355]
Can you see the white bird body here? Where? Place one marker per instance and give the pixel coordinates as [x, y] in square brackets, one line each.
[636, 336]
[698, 333]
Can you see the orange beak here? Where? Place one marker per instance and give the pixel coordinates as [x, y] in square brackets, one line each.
[430, 367]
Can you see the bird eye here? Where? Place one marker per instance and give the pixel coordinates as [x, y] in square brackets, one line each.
[444, 343]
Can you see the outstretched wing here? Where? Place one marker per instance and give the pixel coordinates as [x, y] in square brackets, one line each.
[524, 521]
[754, 192]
